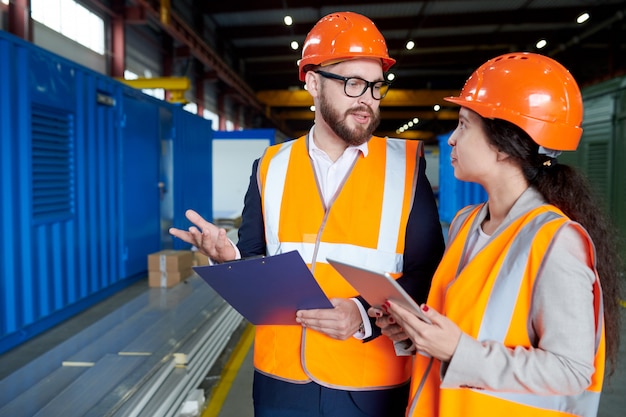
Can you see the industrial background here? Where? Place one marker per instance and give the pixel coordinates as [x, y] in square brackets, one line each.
[101, 151]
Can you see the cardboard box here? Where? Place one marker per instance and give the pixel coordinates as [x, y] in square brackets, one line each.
[170, 260]
[165, 279]
[200, 259]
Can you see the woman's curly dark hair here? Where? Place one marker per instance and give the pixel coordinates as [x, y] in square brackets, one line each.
[567, 189]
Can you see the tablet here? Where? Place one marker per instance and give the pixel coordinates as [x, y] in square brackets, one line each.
[377, 287]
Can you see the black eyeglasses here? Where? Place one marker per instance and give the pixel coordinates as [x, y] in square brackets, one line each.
[356, 87]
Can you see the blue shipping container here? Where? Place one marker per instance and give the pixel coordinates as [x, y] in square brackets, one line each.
[81, 185]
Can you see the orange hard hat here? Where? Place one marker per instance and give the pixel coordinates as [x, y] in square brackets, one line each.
[532, 91]
[341, 36]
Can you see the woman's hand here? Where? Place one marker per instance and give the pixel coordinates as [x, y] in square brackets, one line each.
[438, 339]
[388, 325]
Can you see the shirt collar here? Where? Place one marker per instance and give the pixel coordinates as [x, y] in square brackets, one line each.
[313, 147]
[530, 199]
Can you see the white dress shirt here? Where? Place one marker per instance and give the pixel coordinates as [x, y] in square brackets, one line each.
[329, 175]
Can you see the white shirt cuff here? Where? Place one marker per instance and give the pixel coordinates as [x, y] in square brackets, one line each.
[367, 326]
[237, 253]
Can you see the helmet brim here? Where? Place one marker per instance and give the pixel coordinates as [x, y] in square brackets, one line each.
[557, 136]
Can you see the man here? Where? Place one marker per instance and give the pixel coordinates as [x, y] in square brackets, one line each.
[342, 193]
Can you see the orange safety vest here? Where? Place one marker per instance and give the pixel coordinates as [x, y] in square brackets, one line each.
[366, 222]
[497, 308]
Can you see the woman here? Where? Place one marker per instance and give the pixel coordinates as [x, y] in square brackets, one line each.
[524, 305]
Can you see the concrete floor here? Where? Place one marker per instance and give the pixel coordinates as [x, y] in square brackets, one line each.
[237, 401]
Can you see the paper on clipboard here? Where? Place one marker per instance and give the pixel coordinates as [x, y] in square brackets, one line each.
[266, 290]
[377, 287]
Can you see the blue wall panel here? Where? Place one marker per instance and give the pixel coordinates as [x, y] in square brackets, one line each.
[140, 183]
[454, 194]
[192, 172]
[12, 57]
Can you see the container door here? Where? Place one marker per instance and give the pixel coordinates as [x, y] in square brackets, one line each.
[140, 165]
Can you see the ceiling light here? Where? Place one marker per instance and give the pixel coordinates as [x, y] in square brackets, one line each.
[408, 125]
[288, 20]
[391, 76]
[436, 107]
[582, 18]
[541, 44]
[294, 45]
[410, 45]
[312, 108]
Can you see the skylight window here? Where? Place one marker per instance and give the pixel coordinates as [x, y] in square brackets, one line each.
[72, 20]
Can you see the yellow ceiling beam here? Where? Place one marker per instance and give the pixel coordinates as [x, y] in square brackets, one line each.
[167, 83]
[385, 114]
[422, 115]
[294, 114]
[285, 98]
[176, 86]
[394, 98]
[417, 98]
[409, 134]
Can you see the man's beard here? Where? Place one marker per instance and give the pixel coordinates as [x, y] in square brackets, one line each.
[338, 123]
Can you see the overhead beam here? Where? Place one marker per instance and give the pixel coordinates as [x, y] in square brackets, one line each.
[166, 83]
[386, 114]
[176, 86]
[417, 98]
[555, 18]
[135, 15]
[285, 98]
[178, 29]
[420, 114]
[394, 98]
[409, 134]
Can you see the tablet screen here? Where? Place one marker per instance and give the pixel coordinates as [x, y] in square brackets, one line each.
[376, 287]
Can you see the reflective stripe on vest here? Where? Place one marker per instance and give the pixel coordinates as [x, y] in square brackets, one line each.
[383, 257]
[460, 219]
[373, 259]
[501, 304]
[499, 311]
[275, 175]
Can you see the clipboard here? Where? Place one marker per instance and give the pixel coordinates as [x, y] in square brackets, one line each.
[266, 290]
[377, 287]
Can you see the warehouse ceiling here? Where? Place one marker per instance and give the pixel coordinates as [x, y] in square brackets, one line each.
[451, 37]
